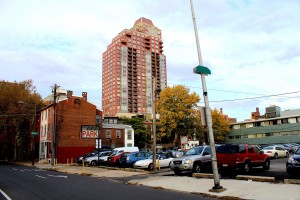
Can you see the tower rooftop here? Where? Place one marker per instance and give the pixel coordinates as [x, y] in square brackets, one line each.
[143, 20]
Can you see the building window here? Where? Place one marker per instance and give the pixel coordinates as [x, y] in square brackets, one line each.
[118, 134]
[129, 144]
[108, 134]
[256, 124]
[129, 135]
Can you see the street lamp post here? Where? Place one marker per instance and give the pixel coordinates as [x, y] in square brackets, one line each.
[203, 71]
[34, 132]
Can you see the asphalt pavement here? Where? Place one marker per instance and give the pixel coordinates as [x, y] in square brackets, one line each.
[260, 188]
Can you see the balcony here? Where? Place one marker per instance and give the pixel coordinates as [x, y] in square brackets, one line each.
[128, 34]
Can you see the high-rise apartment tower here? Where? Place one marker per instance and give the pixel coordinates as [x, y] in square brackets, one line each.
[129, 65]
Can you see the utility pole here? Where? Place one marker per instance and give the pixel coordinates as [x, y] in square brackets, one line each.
[203, 71]
[53, 143]
[154, 123]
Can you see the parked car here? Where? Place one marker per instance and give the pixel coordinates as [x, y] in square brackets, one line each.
[293, 163]
[128, 159]
[114, 158]
[93, 160]
[103, 159]
[162, 160]
[177, 153]
[90, 153]
[275, 151]
[241, 156]
[195, 159]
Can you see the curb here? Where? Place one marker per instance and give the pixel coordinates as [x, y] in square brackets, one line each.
[291, 181]
[256, 178]
[202, 175]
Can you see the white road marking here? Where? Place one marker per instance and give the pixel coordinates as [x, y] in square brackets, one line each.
[15, 169]
[41, 177]
[58, 176]
[23, 170]
[5, 195]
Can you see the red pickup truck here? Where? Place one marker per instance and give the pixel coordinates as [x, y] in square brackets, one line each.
[241, 156]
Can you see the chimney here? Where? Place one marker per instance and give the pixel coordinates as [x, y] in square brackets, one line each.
[221, 111]
[69, 94]
[257, 109]
[84, 95]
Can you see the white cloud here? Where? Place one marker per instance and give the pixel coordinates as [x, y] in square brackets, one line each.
[251, 47]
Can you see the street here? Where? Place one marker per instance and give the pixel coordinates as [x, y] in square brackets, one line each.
[26, 182]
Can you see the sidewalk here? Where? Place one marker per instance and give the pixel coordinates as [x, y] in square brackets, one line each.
[243, 189]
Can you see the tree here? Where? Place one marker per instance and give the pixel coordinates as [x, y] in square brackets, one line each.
[15, 119]
[140, 130]
[177, 108]
[220, 126]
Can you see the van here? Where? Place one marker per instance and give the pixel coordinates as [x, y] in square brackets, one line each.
[114, 157]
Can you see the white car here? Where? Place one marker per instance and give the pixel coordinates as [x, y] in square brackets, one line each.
[162, 160]
[93, 160]
[275, 151]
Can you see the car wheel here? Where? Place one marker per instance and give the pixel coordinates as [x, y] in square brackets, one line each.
[93, 163]
[177, 172]
[247, 167]
[150, 167]
[197, 168]
[266, 165]
[275, 155]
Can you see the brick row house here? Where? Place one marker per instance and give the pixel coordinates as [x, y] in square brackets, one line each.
[73, 115]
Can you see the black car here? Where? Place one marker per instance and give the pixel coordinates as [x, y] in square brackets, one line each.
[293, 163]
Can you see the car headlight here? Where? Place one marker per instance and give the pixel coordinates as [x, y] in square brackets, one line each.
[291, 160]
[188, 161]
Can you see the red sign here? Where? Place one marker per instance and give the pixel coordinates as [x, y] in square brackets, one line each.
[90, 132]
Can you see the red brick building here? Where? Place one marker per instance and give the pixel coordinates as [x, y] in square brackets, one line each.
[75, 117]
[130, 65]
[71, 113]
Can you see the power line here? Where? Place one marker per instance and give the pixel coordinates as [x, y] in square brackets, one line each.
[251, 98]
[245, 99]
[229, 91]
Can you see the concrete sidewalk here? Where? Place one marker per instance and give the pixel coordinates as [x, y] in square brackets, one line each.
[243, 189]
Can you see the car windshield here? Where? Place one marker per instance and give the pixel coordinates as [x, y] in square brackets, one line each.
[268, 148]
[150, 157]
[298, 151]
[113, 153]
[194, 151]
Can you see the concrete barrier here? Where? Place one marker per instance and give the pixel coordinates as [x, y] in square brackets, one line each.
[256, 178]
[203, 175]
[291, 181]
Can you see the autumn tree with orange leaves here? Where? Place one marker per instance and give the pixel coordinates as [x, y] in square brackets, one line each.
[178, 110]
[180, 115]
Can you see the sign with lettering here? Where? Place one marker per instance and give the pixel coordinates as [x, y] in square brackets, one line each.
[89, 131]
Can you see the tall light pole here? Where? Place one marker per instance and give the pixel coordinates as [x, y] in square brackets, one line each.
[154, 124]
[203, 71]
[34, 132]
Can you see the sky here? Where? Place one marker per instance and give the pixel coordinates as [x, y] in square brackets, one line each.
[252, 47]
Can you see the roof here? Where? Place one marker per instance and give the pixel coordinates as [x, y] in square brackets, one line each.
[117, 126]
[143, 20]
